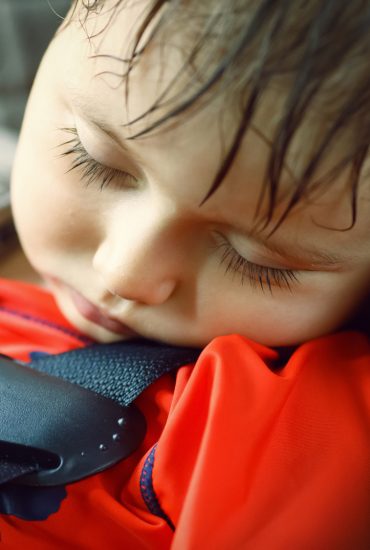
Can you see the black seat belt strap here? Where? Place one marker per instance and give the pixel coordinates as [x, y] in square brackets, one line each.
[71, 415]
[119, 371]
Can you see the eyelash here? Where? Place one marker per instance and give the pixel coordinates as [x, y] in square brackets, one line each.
[255, 274]
[92, 171]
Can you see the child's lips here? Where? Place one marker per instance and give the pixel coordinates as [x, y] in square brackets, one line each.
[95, 315]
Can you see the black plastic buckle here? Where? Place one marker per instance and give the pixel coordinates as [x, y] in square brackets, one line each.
[70, 431]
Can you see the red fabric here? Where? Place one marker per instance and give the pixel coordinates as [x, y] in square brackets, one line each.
[247, 456]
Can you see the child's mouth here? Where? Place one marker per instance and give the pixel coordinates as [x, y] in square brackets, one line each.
[95, 315]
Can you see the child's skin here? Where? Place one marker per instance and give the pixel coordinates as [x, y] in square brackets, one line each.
[142, 249]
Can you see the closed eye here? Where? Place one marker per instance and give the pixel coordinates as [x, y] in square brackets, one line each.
[257, 275]
[92, 171]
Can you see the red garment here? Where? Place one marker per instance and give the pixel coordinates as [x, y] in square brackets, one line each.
[237, 455]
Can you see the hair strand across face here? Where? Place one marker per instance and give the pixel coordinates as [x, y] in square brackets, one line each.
[318, 51]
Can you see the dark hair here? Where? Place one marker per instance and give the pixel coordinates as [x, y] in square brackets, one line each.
[318, 51]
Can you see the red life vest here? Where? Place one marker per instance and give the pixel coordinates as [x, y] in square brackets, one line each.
[237, 454]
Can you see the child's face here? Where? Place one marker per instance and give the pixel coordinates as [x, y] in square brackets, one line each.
[142, 250]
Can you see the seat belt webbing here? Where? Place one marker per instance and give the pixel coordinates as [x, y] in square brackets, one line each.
[119, 371]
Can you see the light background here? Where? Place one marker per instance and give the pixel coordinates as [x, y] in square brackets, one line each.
[26, 27]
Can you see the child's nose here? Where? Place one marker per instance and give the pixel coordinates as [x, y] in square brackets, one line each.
[143, 266]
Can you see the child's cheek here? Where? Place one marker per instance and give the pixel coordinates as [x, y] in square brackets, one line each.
[53, 219]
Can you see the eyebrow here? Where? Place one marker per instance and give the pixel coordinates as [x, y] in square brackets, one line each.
[106, 129]
[92, 115]
[311, 256]
[101, 125]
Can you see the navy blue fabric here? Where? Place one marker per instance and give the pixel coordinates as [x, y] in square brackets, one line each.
[147, 490]
[39, 321]
[30, 503]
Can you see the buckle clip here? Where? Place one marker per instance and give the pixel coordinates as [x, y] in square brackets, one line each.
[70, 431]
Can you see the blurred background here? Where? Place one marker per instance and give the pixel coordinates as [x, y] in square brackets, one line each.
[26, 28]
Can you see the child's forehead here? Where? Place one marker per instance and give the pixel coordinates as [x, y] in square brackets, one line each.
[102, 87]
[160, 79]
[161, 70]
[171, 69]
